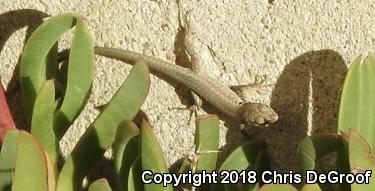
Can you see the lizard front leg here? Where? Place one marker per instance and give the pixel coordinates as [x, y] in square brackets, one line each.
[248, 91]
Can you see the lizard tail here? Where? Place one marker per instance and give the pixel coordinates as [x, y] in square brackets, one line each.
[118, 54]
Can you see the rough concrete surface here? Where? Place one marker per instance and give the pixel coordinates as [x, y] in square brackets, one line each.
[300, 49]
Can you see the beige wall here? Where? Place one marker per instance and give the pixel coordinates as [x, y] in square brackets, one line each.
[248, 38]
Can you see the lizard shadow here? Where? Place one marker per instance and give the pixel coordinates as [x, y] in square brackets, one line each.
[10, 22]
[306, 96]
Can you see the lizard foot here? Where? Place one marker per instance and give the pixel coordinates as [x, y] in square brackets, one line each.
[193, 111]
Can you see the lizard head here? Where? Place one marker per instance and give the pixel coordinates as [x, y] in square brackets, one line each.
[257, 114]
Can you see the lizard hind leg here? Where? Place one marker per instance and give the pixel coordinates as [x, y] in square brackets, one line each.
[195, 109]
[193, 48]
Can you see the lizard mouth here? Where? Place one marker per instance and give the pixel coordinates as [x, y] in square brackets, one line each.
[272, 117]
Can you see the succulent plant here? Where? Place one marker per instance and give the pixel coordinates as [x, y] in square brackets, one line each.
[30, 160]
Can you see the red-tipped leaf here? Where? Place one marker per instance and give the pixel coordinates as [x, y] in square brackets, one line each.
[6, 120]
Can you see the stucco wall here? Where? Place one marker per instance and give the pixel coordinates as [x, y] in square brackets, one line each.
[301, 49]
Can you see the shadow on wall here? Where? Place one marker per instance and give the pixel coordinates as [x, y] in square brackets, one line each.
[310, 85]
[10, 22]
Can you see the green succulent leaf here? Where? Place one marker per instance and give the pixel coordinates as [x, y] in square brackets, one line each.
[8, 155]
[184, 167]
[42, 120]
[51, 62]
[33, 167]
[361, 159]
[244, 156]
[254, 188]
[79, 79]
[311, 187]
[33, 65]
[101, 134]
[152, 157]
[126, 149]
[277, 187]
[207, 142]
[134, 180]
[357, 107]
[250, 155]
[312, 148]
[100, 185]
[39, 63]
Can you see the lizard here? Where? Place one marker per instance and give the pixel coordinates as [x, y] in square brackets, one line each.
[217, 94]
